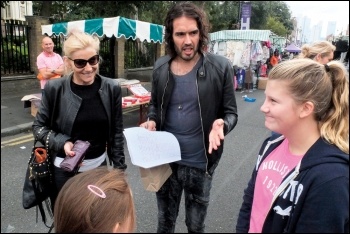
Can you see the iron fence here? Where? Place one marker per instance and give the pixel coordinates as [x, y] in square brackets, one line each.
[139, 54]
[107, 67]
[15, 48]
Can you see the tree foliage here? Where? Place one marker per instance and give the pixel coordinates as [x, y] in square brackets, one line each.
[276, 26]
[223, 15]
[280, 11]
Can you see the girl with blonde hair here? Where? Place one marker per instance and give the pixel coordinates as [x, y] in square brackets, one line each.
[300, 182]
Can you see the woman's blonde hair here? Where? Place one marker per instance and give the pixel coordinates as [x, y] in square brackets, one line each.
[327, 87]
[78, 209]
[78, 40]
[324, 48]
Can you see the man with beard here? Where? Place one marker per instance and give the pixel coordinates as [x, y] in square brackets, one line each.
[192, 98]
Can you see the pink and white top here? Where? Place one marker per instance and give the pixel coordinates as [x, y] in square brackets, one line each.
[51, 61]
[270, 175]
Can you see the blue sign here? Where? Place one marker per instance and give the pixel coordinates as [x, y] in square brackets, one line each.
[245, 15]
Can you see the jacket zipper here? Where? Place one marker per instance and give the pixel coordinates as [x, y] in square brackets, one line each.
[200, 114]
[162, 104]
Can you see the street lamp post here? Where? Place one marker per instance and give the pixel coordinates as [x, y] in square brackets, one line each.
[239, 11]
[299, 37]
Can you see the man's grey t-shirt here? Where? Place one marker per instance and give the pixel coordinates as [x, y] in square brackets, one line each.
[184, 121]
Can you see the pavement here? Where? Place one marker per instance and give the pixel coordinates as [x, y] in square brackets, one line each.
[16, 119]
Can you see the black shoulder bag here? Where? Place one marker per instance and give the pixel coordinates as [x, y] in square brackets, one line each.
[39, 184]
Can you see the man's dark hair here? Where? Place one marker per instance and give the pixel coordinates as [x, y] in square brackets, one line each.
[189, 10]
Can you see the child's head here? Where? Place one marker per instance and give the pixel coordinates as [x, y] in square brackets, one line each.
[98, 200]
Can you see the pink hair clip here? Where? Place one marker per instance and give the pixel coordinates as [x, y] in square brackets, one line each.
[93, 189]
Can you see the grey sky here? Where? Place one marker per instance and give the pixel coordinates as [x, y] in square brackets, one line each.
[322, 11]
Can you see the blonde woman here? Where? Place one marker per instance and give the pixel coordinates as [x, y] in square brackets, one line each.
[82, 105]
[321, 51]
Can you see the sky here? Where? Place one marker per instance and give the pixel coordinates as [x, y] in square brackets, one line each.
[322, 11]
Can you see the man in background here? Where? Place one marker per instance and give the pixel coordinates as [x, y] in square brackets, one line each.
[50, 64]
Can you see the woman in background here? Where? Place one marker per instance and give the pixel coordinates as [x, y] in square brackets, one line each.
[321, 51]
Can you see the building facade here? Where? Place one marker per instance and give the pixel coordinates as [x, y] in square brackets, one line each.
[17, 10]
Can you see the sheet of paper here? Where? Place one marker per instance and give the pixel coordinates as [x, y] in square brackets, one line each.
[31, 97]
[151, 148]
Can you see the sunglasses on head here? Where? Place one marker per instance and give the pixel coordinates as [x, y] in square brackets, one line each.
[81, 63]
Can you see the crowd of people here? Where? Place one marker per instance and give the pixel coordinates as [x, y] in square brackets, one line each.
[306, 106]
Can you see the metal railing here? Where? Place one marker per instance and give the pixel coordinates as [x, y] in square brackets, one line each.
[15, 48]
[139, 54]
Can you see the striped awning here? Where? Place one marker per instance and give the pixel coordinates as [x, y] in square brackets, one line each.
[277, 40]
[255, 35]
[117, 26]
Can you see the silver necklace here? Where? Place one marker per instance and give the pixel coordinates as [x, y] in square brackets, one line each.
[180, 107]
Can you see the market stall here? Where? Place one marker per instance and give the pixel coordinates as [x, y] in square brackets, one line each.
[278, 41]
[292, 48]
[243, 48]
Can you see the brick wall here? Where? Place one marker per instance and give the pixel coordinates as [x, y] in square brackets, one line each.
[35, 37]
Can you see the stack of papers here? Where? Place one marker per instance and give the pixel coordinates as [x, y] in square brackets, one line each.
[139, 91]
[125, 82]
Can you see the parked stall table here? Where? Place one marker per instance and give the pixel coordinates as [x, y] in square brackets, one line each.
[132, 101]
[32, 101]
[124, 83]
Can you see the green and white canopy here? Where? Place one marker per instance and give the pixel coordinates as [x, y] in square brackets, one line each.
[117, 26]
[254, 35]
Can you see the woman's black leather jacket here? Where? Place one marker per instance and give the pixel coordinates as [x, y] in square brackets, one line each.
[60, 106]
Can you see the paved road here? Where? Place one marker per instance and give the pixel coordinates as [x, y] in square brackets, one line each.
[231, 177]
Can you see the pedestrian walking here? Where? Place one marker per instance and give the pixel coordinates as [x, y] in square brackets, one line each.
[248, 81]
[274, 60]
